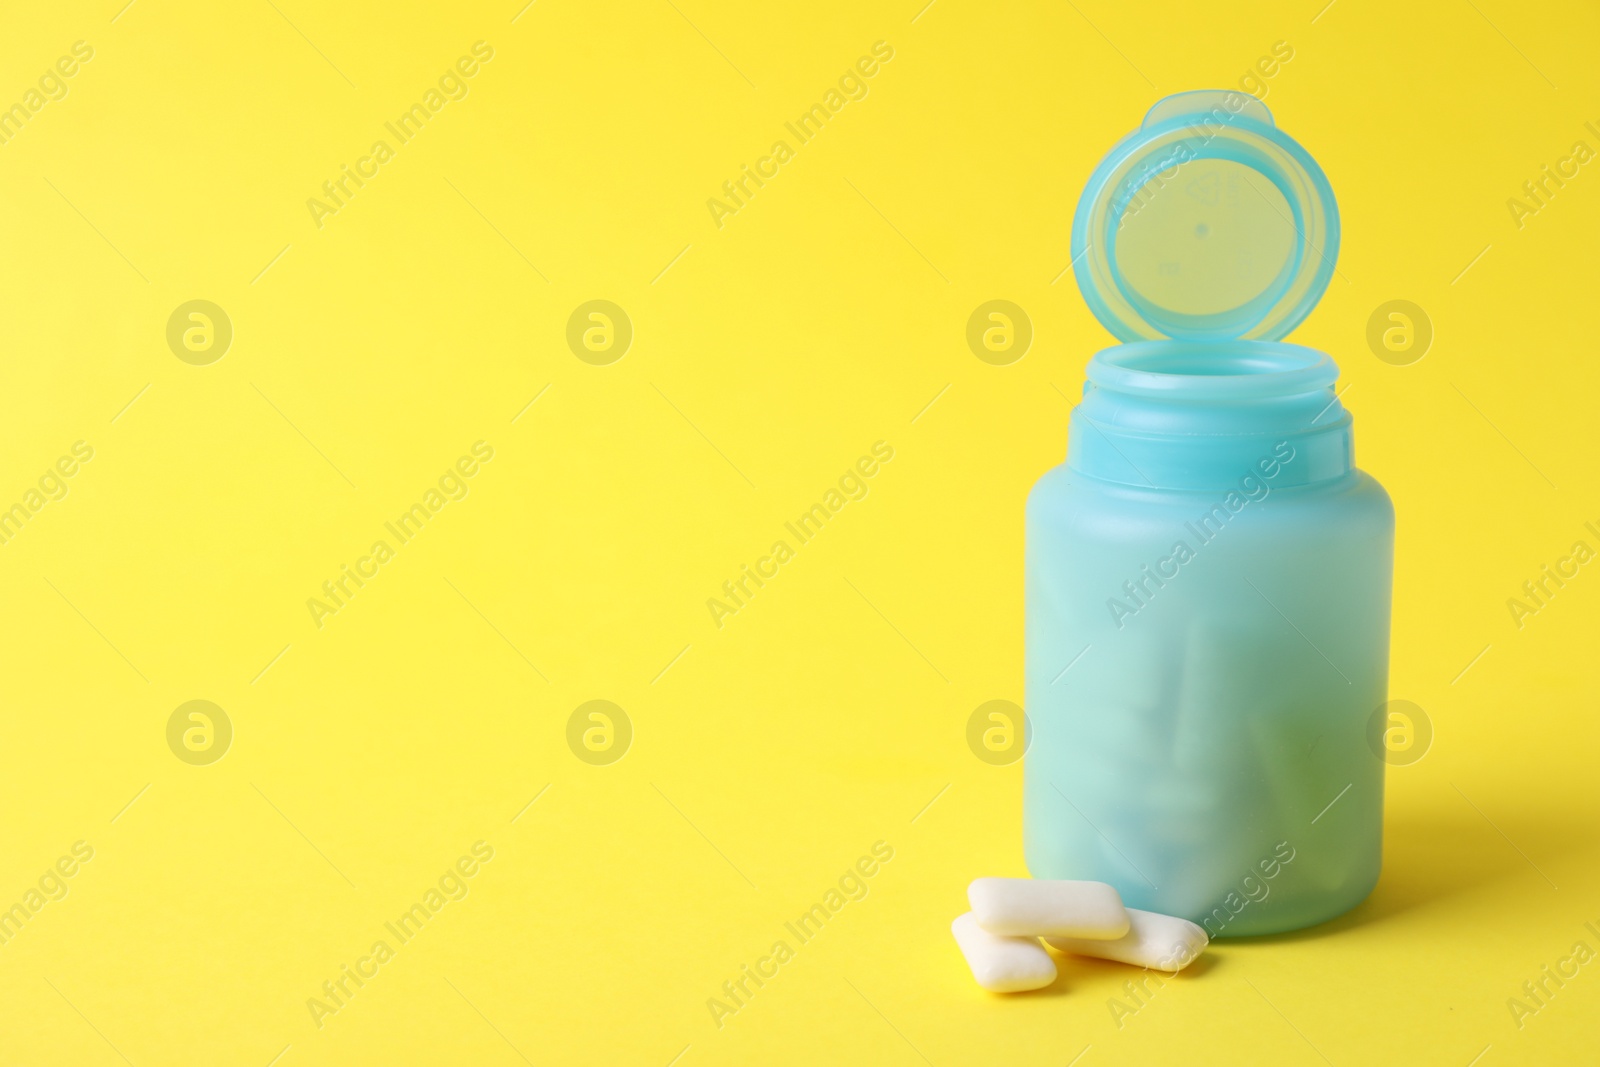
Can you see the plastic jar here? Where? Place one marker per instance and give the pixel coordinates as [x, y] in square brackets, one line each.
[1208, 575]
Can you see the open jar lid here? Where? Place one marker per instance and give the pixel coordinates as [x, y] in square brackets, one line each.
[1207, 223]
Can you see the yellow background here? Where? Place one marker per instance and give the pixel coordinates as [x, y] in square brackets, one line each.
[767, 356]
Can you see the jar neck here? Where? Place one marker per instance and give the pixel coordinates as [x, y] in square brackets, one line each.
[1189, 415]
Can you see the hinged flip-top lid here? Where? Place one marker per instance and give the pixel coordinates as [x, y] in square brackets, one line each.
[1207, 223]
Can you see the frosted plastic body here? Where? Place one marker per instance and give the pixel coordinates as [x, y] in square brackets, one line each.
[1204, 746]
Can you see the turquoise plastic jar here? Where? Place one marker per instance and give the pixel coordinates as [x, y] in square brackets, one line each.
[1208, 575]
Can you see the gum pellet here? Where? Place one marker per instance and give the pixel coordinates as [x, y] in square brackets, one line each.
[1003, 964]
[1024, 907]
[1162, 942]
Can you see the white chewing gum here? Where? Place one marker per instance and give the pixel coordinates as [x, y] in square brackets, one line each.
[1022, 907]
[1162, 942]
[1003, 964]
